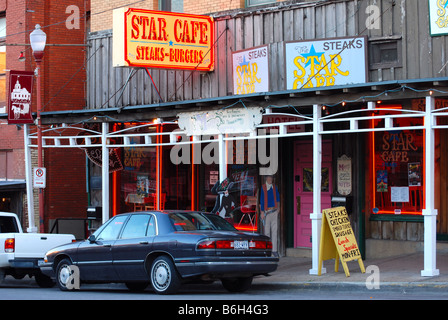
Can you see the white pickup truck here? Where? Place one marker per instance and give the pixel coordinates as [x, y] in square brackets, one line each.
[21, 253]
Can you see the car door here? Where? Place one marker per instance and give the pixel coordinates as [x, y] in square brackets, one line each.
[133, 246]
[95, 260]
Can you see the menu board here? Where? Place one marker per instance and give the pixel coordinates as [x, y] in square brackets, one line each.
[338, 240]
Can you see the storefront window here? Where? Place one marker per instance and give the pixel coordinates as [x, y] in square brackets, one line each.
[149, 177]
[397, 169]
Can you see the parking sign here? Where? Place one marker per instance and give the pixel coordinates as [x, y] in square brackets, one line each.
[39, 177]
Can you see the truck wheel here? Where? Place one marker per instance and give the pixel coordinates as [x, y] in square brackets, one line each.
[44, 281]
[164, 277]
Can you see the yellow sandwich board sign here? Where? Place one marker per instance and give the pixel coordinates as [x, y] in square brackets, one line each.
[338, 240]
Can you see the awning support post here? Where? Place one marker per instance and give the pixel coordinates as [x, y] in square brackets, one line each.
[429, 213]
[316, 215]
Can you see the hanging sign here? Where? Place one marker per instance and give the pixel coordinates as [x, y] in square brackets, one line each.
[438, 17]
[156, 39]
[325, 63]
[19, 97]
[251, 70]
[344, 175]
[232, 120]
[338, 240]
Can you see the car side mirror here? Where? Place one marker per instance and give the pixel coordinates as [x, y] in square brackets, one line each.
[92, 238]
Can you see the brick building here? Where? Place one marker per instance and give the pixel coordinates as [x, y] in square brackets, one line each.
[63, 88]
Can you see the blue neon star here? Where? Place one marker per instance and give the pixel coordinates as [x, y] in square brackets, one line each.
[170, 43]
[312, 53]
[244, 63]
[446, 3]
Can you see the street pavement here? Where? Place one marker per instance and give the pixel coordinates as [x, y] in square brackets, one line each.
[394, 273]
[389, 278]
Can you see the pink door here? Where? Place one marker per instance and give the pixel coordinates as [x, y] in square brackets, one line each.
[303, 188]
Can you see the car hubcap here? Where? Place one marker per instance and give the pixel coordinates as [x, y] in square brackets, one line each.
[64, 275]
[161, 275]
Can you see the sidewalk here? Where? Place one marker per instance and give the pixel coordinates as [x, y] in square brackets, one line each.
[395, 272]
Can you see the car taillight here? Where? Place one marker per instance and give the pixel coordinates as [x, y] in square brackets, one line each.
[224, 244]
[269, 245]
[257, 244]
[9, 245]
[206, 244]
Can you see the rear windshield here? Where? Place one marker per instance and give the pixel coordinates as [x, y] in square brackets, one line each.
[8, 225]
[192, 221]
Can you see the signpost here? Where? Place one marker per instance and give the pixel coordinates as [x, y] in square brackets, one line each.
[338, 240]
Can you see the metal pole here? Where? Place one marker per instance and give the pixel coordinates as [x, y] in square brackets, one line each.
[29, 182]
[222, 157]
[429, 213]
[316, 216]
[40, 162]
[105, 172]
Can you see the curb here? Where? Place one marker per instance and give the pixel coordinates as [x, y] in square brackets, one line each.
[357, 286]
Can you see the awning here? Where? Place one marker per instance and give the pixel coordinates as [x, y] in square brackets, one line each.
[12, 185]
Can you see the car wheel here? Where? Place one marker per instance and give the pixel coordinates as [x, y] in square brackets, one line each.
[237, 284]
[63, 273]
[164, 277]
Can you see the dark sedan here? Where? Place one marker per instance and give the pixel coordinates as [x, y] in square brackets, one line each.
[164, 249]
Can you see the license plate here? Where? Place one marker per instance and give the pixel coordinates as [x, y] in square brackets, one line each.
[241, 245]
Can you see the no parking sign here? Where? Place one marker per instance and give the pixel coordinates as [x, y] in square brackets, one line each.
[39, 177]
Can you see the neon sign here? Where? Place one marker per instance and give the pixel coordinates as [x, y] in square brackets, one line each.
[156, 39]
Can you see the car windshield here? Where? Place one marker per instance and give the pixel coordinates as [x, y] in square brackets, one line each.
[192, 221]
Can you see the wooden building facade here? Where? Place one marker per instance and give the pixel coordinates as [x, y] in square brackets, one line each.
[378, 128]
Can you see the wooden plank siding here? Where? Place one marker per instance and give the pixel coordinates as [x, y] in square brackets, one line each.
[422, 56]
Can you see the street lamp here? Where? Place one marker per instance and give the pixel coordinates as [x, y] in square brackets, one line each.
[38, 39]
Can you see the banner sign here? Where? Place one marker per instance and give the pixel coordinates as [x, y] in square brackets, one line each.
[251, 70]
[438, 17]
[338, 240]
[325, 63]
[156, 39]
[232, 120]
[19, 97]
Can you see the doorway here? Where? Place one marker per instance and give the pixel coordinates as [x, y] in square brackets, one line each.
[303, 188]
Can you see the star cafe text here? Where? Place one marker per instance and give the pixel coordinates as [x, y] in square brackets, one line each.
[187, 32]
[442, 20]
[246, 71]
[315, 69]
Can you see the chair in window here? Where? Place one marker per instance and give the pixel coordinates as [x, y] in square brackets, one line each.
[152, 200]
[248, 208]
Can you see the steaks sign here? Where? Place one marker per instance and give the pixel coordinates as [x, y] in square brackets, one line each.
[95, 154]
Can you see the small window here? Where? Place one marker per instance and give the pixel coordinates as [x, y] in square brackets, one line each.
[171, 5]
[136, 226]
[112, 229]
[251, 3]
[385, 54]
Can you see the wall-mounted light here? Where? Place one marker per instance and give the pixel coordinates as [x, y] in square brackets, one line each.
[21, 56]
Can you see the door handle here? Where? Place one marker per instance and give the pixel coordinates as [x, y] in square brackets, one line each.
[108, 245]
[143, 242]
